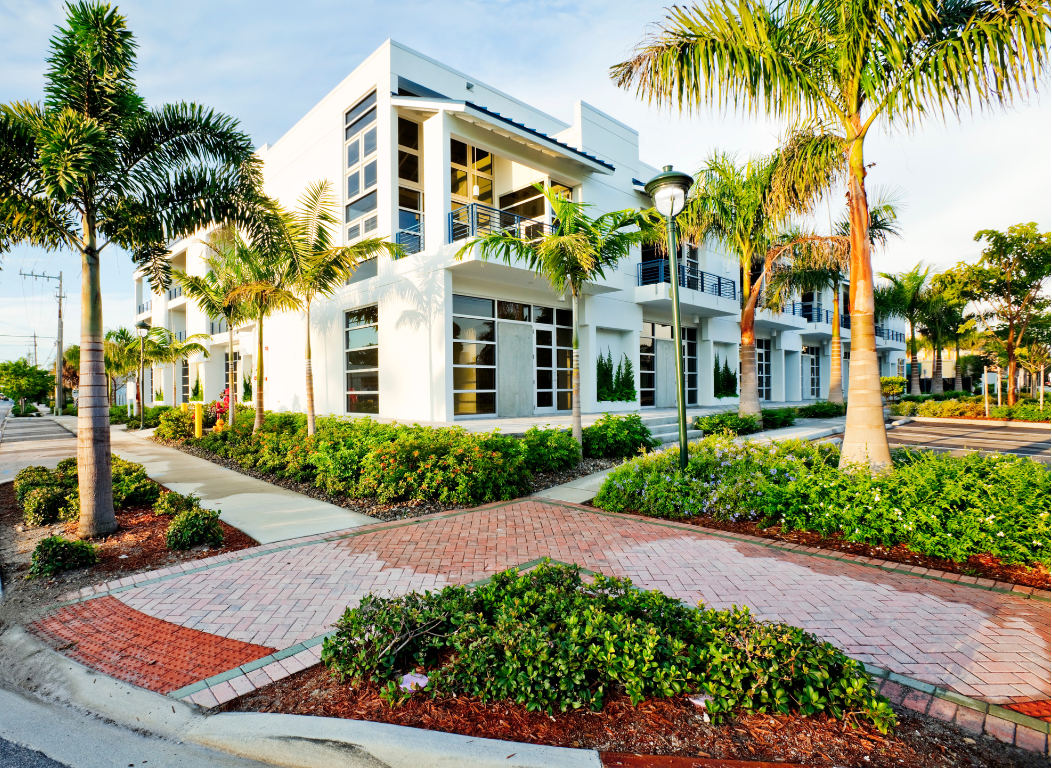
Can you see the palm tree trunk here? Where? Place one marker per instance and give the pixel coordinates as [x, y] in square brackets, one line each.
[865, 439]
[231, 372]
[259, 375]
[958, 376]
[749, 396]
[915, 388]
[936, 367]
[94, 478]
[310, 379]
[575, 399]
[836, 365]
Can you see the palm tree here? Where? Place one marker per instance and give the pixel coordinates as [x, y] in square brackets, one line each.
[905, 296]
[833, 69]
[575, 250]
[320, 268]
[951, 287]
[122, 356]
[94, 166]
[936, 317]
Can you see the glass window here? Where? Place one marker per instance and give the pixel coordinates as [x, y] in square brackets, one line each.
[484, 193]
[371, 224]
[362, 337]
[359, 109]
[458, 152]
[510, 310]
[363, 360]
[544, 356]
[409, 198]
[361, 206]
[408, 133]
[474, 354]
[354, 232]
[359, 125]
[474, 377]
[469, 305]
[352, 154]
[564, 337]
[544, 315]
[409, 166]
[407, 219]
[562, 190]
[369, 143]
[470, 329]
[483, 160]
[353, 186]
[369, 175]
[364, 271]
[544, 337]
[564, 317]
[474, 402]
[458, 182]
[662, 331]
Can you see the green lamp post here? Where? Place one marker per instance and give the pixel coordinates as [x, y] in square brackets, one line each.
[669, 191]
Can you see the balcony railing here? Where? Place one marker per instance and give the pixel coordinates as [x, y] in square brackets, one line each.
[218, 326]
[657, 271]
[146, 306]
[412, 238]
[889, 335]
[478, 219]
[179, 335]
[174, 292]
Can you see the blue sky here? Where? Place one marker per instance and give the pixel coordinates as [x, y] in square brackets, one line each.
[267, 63]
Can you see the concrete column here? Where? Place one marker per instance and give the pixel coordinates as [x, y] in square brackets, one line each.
[706, 385]
[436, 181]
[777, 372]
[791, 378]
[442, 349]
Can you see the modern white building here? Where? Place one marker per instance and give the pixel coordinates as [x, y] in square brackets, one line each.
[429, 157]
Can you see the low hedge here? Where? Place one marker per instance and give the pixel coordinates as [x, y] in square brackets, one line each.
[821, 409]
[617, 437]
[973, 408]
[550, 450]
[939, 505]
[550, 641]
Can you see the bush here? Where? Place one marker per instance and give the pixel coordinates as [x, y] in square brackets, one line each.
[175, 425]
[32, 477]
[70, 510]
[131, 486]
[172, 503]
[611, 385]
[55, 554]
[119, 414]
[42, 504]
[821, 409]
[151, 417]
[550, 450]
[727, 421]
[617, 437]
[904, 408]
[936, 504]
[550, 641]
[892, 387]
[777, 418]
[193, 527]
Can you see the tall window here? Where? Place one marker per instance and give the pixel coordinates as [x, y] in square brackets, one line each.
[470, 174]
[360, 148]
[690, 364]
[553, 332]
[410, 174]
[763, 368]
[474, 356]
[362, 344]
[648, 336]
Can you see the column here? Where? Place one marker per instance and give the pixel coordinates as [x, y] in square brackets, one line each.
[436, 181]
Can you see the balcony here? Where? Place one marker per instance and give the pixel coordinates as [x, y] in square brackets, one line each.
[477, 219]
[218, 326]
[146, 306]
[658, 271]
[174, 292]
[412, 238]
[702, 293]
[888, 335]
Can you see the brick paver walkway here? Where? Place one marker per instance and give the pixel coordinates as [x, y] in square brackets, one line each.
[982, 644]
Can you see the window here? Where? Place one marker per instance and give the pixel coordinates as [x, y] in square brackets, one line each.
[648, 336]
[410, 189]
[690, 364]
[474, 356]
[810, 372]
[362, 344]
[553, 335]
[470, 174]
[763, 368]
[360, 143]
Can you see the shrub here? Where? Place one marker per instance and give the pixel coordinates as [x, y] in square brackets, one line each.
[821, 409]
[42, 504]
[611, 385]
[32, 477]
[56, 554]
[727, 421]
[617, 437]
[175, 425]
[891, 387]
[66, 471]
[550, 641]
[119, 414]
[151, 417]
[550, 450]
[172, 503]
[904, 408]
[1031, 411]
[777, 418]
[131, 486]
[70, 510]
[939, 505]
[192, 527]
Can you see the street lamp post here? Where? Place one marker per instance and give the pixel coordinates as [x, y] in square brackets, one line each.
[141, 328]
[669, 192]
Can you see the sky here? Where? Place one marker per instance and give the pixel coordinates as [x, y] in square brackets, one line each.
[267, 63]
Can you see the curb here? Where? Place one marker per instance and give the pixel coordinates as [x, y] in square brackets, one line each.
[1044, 426]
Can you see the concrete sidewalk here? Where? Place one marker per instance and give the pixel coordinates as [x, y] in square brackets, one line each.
[266, 512]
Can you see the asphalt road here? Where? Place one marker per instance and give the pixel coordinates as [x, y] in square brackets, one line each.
[14, 756]
[966, 438]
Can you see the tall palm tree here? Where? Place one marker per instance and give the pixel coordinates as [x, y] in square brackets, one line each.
[936, 317]
[320, 268]
[575, 250]
[834, 69]
[953, 290]
[122, 357]
[94, 166]
[905, 296]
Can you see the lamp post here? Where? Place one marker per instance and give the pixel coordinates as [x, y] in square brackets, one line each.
[141, 328]
[669, 192]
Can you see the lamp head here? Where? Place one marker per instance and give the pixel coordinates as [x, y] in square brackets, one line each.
[669, 191]
[142, 328]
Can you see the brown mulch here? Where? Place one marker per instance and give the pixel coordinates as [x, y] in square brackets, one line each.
[138, 545]
[655, 727]
[984, 566]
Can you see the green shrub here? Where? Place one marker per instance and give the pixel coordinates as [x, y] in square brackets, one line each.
[939, 505]
[550, 641]
[727, 421]
[192, 527]
[119, 414]
[617, 437]
[904, 408]
[42, 504]
[70, 510]
[32, 477]
[1031, 411]
[892, 387]
[915, 398]
[611, 385]
[172, 503]
[175, 425]
[55, 554]
[66, 472]
[777, 418]
[821, 409]
[131, 486]
[550, 450]
[151, 417]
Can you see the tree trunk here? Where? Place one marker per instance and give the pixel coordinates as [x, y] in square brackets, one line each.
[94, 478]
[231, 373]
[749, 396]
[836, 369]
[311, 428]
[1010, 349]
[958, 375]
[259, 375]
[575, 402]
[936, 367]
[865, 439]
[915, 388]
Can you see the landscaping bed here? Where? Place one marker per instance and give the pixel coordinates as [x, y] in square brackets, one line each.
[654, 727]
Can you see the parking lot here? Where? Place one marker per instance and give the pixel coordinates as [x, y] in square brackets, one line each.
[1030, 441]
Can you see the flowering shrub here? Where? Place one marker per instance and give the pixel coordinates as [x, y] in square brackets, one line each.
[937, 504]
[550, 641]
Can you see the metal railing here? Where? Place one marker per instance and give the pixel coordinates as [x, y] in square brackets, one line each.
[179, 335]
[146, 306]
[658, 271]
[174, 292]
[412, 238]
[218, 326]
[889, 335]
[478, 219]
[845, 321]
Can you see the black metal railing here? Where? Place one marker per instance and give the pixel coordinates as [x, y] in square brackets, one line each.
[411, 239]
[179, 335]
[658, 271]
[889, 335]
[146, 306]
[478, 219]
[845, 321]
[218, 326]
[174, 292]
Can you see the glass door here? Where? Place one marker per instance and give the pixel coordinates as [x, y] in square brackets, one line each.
[553, 355]
[763, 368]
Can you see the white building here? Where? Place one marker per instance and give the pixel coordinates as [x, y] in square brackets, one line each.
[429, 156]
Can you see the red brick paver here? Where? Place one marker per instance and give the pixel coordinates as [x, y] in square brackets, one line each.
[107, 635]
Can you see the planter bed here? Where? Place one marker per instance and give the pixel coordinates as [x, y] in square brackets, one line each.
[655, 727]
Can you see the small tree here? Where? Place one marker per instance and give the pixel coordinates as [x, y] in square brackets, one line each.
[21, 381]
[1007, 284]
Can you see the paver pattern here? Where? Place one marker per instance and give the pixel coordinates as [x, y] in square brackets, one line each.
[107, 635]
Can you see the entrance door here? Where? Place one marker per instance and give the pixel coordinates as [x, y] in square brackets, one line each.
[185, 389]
[553, 352]
[810, 373]
[763, 368]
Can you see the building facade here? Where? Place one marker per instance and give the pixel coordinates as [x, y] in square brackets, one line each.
[429, 157]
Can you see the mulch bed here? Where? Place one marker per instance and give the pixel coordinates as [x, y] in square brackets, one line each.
[655, 727]
[387, 512]
[983, 566]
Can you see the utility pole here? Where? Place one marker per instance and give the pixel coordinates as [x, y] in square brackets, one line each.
[58, 349]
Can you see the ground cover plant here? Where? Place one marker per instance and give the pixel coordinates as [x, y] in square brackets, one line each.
[550, 641]
[951, 507]
[56, 554]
